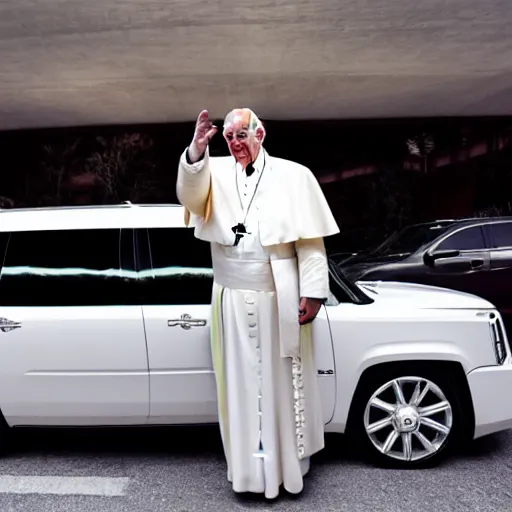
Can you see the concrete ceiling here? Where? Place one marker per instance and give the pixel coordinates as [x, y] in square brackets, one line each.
[87, 62]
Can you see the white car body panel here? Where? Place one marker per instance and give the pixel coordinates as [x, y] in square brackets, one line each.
[180, 365]
[125, 366]
[74, 366]
[182, 380]
[373, 337]
[490, 390]
[398, 295]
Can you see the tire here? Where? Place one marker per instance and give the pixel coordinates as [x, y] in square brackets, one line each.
[403, 436]
[5, 436]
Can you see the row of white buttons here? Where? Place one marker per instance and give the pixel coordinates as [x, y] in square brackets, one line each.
[253, 333]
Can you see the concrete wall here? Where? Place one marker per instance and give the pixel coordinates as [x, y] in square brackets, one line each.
[76, 62]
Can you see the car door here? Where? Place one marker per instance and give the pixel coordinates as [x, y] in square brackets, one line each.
[500, 278]
[72, 344]
[176, 281]
[467, 269]
[324, 360]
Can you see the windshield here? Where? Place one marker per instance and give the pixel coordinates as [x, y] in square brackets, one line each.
[410, 239]
[343, 288]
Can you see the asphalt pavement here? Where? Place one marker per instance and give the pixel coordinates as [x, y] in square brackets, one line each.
[178, 469]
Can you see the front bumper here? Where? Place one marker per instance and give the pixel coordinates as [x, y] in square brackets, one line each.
[491, 391]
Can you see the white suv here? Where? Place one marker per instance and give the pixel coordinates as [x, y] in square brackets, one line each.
[104, 320]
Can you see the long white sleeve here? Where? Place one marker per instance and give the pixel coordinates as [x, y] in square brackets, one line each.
[313, 268]
[193, 183]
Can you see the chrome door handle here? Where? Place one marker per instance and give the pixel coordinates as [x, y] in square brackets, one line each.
[186, 322]
[7, 325]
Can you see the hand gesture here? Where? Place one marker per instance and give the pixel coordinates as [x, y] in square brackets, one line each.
[204, 132]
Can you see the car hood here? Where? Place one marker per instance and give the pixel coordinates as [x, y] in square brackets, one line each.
[357, 267]
[422, 296]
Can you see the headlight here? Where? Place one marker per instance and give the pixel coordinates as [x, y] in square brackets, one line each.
[498, 337]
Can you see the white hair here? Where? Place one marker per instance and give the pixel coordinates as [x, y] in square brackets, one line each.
[254, 121]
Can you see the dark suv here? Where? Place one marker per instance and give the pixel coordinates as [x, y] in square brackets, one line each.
[470, 255]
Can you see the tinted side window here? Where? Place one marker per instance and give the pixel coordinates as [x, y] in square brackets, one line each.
[465, 240]
[181, 270]
[502, 232]
[64, 268]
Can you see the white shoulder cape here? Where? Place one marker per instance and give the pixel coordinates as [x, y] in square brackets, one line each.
[290, 201]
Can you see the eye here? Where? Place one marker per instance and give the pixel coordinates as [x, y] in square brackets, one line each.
[242, 135]
[229, 136]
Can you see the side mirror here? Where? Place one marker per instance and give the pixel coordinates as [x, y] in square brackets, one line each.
[431, 257]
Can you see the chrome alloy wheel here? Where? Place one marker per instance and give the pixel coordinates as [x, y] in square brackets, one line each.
[408, 419]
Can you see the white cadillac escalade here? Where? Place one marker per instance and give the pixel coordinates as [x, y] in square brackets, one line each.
[104, 321]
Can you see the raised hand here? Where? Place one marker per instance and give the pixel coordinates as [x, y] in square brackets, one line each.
[203, 133]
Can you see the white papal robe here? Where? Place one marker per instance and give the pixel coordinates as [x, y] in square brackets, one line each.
[269, 405]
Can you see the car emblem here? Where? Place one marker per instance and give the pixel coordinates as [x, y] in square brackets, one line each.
[7, 325]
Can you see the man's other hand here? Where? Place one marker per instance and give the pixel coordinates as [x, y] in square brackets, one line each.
[308, 309]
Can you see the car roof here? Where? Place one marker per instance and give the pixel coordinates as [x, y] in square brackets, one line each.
[456, 223]
[120, 216]
[481, 220]
[128, 215]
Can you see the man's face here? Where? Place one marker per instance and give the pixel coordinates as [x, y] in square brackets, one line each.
[243, 140]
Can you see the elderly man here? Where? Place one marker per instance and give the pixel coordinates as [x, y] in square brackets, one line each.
[265, 218]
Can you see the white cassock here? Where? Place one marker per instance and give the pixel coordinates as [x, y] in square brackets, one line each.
[269, 405]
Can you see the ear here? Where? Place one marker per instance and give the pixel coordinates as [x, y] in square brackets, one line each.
[260, 134]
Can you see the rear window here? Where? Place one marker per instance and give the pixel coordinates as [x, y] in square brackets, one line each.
[502, 234]
[64, 268]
